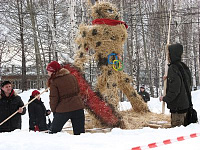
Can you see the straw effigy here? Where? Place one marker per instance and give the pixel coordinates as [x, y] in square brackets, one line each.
[106, 37]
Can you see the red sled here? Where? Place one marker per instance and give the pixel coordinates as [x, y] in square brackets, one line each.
[94, 102]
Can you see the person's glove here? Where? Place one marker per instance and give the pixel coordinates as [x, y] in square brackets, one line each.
[48, 112]
[36, 128]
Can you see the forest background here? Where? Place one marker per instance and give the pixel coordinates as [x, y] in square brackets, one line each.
[35, 32]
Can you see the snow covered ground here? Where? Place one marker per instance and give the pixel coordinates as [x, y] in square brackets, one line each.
[117, 139]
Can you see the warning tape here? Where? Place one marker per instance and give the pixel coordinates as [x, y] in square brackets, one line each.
[166, 142]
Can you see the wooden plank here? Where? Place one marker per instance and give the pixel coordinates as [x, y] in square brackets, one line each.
[158, 124]
[154, 126]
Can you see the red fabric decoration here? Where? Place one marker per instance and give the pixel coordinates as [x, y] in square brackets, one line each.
[36, 128]
[102, 110]
[108, 22]
[35, 92]
[53, 66]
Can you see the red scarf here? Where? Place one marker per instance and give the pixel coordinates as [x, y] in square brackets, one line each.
[108, 22]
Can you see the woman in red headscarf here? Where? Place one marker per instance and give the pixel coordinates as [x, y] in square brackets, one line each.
[37, 113]
[65, 101]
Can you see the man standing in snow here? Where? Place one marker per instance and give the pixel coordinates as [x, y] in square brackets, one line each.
[10, 102]
[176, 96]
[145, 95]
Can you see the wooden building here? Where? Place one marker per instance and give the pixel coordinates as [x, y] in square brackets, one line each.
[14, 75]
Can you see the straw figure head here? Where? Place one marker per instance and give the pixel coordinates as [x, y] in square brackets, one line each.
[104, 10]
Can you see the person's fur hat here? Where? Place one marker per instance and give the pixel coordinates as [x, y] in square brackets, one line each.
[53, 66]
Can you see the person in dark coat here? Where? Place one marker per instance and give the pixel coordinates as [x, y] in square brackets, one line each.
[37, 113]
[65, 101]
[176, 95]
[145, 95]
[10, 102]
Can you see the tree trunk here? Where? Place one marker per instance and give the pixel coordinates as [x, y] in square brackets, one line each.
[148, 74]
[43, 67]
[52, 28]
[21, 24]
[73, 26]
[37, 52]
[54, 25]
[1, 53]
[199, 42]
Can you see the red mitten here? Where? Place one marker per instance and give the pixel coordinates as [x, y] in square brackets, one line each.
[36, 128]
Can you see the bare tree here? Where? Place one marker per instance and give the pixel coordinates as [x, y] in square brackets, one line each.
[39, 63]
[45, 30]
[21, 25]
[2, 47]
[148, 74]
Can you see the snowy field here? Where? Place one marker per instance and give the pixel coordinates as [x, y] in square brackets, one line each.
[117, 139]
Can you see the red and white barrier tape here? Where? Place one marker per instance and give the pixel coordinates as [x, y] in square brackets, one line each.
[166, 142]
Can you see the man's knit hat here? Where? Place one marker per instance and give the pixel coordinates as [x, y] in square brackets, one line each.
[5, 83]
[35, 92]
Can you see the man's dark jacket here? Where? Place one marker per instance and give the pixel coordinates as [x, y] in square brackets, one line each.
[176, 95]
[9, 105]
[145, 96]
[37, 115]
